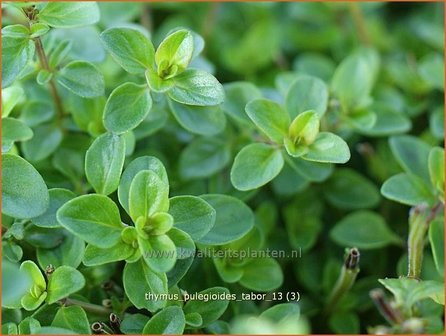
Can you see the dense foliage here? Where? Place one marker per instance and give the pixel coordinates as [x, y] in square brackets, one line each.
[161, 162]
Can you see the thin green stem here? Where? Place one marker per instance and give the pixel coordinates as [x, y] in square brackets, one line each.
[146, 17]
[419, 220]
[210, 19]
[349, 271]
[359, 21]
[93, 308]
[52, 84]
[415, 244]
[30, 13]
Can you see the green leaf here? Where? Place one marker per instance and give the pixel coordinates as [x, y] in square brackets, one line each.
[307, 93]
[142, 163]
[104, 161]
[353, 80]
[126, 107]
[234, 220]
[436, 122]
[24, 193]
[54, 330]
[251, 49]
[43, 77]
[82, 78]
[388, 122]
[309, 170]
[427, 289]
[69, 253]
[412, 154]
[46, 139]
[30, 269]
[238, 94]
[436, 238]
[95, 256]
[43, 237]
[72, 318]
[64, 281]
[436, 170]
[12, 251]
[148, 195]
[183, 242]
[156, 83]
[158, 224]
[363, 229]
[203, 157]
[228, 272]
[174, 53]
[302, 132]
[30, 302]
[15, 285]
[14, 130]
[283, 82]
[194, 320]
[199, 44]
[139, 279]
[69, 14]
[36, 112]
[252, 241]
[129, 235]
[185, 255]
[408, 291]
[282, 311]
[431, 69]
[210, 310]
[303, 233]
[129, 48]
[38, 29]
[347, 189]
[407, 189]
[362, 120]
[262, 275]
[256, 165]
[133, 324]
[169, 321]
[329, 148]
[269, 117]
[159, 252]
[15, 229]
[196, 87]
[58, 197]
[29, 326]
[59, 53]
[70, 162]
[203, 120]
[130, 142]
[94, 218]
[11, 96]
[193, 215]
[155, 120]
[9, 328]
[16, 31]
[288, 182]
[344, 323]
[16, 55]
[314, 64]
